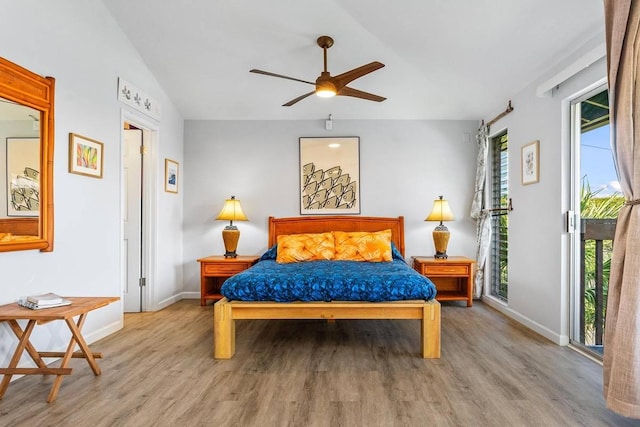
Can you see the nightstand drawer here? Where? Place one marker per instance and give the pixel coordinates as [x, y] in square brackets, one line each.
[224, 268]
[447, 270]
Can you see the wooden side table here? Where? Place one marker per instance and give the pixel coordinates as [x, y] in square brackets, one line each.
[453, 276]
[214, 270]
[80, 307]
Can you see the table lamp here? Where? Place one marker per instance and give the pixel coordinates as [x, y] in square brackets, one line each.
[440, 212]
[231, 211]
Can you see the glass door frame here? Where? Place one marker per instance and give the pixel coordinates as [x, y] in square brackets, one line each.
[573, 216]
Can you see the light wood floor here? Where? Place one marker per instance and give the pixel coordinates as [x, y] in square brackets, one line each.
[159, 371]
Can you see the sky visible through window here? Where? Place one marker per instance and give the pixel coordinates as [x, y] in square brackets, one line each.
[596, 161]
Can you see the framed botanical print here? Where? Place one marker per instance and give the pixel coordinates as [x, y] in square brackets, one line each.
[530, 163]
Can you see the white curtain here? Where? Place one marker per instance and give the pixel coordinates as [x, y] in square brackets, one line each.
[621, 365]
[482, 216]
[481, 171]
[483, 233]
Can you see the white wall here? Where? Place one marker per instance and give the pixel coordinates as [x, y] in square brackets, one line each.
[78, 43]
[539, 287]
[404, 166]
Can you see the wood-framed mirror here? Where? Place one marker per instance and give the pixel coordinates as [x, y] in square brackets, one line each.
[26, 159]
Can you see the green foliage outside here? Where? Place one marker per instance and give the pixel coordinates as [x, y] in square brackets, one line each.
[503, 221]
[594, 207]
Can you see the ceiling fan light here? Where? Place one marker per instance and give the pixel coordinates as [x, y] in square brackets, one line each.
[325, 89]
[325, 93]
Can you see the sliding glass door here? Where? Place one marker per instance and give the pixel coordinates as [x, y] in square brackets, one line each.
[596, 203]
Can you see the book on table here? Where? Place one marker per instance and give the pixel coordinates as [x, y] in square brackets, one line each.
[48, 300]
[45, 299]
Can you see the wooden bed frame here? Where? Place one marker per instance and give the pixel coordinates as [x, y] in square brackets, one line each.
[226, 312]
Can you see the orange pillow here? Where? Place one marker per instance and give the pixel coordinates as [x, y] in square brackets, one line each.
[363, 245]
[305, 247]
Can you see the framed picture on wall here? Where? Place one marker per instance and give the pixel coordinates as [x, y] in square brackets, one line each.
[23, 176]
[85, 156]
[530, 163]
[330, 176]
[171, 176]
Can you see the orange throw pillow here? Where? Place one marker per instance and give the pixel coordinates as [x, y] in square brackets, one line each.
[305, 247]
[363, 245]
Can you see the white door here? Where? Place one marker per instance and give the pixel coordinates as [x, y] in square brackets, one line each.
[132, 219]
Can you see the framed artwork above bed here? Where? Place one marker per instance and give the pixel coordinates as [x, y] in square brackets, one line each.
[330, 175]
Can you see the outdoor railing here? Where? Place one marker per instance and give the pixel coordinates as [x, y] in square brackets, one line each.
[602, 232]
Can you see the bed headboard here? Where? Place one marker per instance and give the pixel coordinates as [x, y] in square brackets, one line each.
[322, 224]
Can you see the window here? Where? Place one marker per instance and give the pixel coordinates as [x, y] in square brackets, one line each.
[499, 220]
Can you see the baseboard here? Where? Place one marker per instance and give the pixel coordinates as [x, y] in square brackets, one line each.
[166, 302]
[531, 324]
[174, 299]
[104, 331]
[190, 295]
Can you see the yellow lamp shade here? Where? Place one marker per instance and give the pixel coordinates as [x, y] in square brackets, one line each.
[441, 211]
[232, 211]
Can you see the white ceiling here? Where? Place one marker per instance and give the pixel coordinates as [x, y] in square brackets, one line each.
[445, 59]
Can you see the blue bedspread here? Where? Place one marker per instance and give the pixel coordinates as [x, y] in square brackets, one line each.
[329, 281]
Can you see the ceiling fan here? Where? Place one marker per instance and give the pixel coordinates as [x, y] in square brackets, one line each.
[327, 85]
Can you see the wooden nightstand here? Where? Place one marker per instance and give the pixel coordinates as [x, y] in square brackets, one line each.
[214, 270]
[453, 276]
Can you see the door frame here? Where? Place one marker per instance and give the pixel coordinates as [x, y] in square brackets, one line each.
[150, 131]
[575, 179]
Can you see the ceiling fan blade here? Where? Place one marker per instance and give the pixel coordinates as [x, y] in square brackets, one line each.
[355, 93]
[300, 98]
[266, 73]
[344, 79]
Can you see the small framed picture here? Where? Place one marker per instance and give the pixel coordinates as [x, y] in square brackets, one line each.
[171, 176]
[85, 156]
[530, 163]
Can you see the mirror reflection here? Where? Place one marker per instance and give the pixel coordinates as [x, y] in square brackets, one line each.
[26, 159]
[19, 171]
